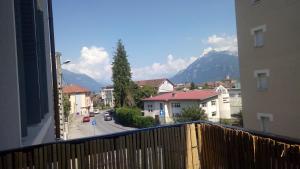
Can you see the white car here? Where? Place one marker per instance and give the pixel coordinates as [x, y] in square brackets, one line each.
[96, 111]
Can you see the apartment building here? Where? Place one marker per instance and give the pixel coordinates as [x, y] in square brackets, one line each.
[26, 102]
[269, 52]
[107, 94]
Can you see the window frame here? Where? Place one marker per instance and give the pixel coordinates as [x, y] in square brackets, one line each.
[262, 29]
[259, 83]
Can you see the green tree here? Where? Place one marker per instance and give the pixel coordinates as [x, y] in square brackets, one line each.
[205, 86]
[121, 76]
[66, 105]
[191, 114]
[142, 93]
[193, 86]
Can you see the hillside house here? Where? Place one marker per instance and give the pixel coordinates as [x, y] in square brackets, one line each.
[161, 85]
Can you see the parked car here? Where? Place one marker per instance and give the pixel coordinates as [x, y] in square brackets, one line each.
[92, 114]
[107, 117]
[97, 111]
[86, 119]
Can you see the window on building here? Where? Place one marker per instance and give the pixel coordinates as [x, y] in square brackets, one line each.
[176, 105]
[214, 113]
[265, 120]
[204, 104]
[258, 38]
[213, 102]
[262, 81]
[150, 108]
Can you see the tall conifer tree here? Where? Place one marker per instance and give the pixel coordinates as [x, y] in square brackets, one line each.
[121, 75]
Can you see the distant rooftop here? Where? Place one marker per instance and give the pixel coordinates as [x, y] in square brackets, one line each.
[73, 88]
[187, 95]
[152, 82]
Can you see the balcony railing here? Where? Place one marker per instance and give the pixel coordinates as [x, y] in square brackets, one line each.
[190, 145]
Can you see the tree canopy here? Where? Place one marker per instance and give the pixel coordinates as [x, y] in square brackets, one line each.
[121, 76]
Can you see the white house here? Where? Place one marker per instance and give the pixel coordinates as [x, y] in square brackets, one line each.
[235, 100]
[165, 106]
[107, 94]
[224, 102]
[161, 85]
[79, 98]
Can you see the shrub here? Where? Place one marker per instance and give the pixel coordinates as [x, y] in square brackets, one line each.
[132, 117]
[144, 122]
[191, 114]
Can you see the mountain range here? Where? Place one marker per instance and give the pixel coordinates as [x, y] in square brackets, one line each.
[81, 80]
[210, 67]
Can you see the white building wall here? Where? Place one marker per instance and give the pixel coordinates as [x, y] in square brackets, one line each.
[171, 111]
[224, 102]
[165, 87]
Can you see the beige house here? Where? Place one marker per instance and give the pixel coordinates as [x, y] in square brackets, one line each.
[269, 52]
[79, 98]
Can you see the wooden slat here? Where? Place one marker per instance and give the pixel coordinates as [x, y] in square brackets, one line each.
[86, 155]
[46, 159]
[82, 156]
[94, 144]
[59, 156]
[73, 156]
[100, 154]
[36, 158]
[155, 149]
[134, 151]
[78, 155]
[68, 156]
[91, 155]
[129, 151]
[41, 158]
[8, 162]
[54, 156]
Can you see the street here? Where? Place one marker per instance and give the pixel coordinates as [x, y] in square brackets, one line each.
[77, 129]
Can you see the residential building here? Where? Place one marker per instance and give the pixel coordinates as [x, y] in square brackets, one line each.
[80, 99]
[26, 87]
[161, 85]
[268, 39]
[235, 99]
[224, 102]
[166, 106]
[107, 94]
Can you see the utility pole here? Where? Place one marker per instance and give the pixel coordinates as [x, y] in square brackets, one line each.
[63, 125]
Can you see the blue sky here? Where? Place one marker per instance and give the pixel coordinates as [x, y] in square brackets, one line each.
[157, 34]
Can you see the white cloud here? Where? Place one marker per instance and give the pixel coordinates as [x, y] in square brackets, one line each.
[159, 70]
[94, 61]
[221, 43]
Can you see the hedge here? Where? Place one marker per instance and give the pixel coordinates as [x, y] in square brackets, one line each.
[132, 117]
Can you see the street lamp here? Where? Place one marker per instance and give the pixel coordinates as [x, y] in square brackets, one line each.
[66, 62]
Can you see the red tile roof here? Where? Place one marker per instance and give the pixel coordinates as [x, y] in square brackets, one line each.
[70, 89]
[152, 82]
[188, 95]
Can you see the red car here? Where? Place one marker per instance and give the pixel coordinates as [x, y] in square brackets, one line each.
[86, 119]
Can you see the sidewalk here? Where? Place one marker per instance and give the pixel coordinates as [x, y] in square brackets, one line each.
[74, 128]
